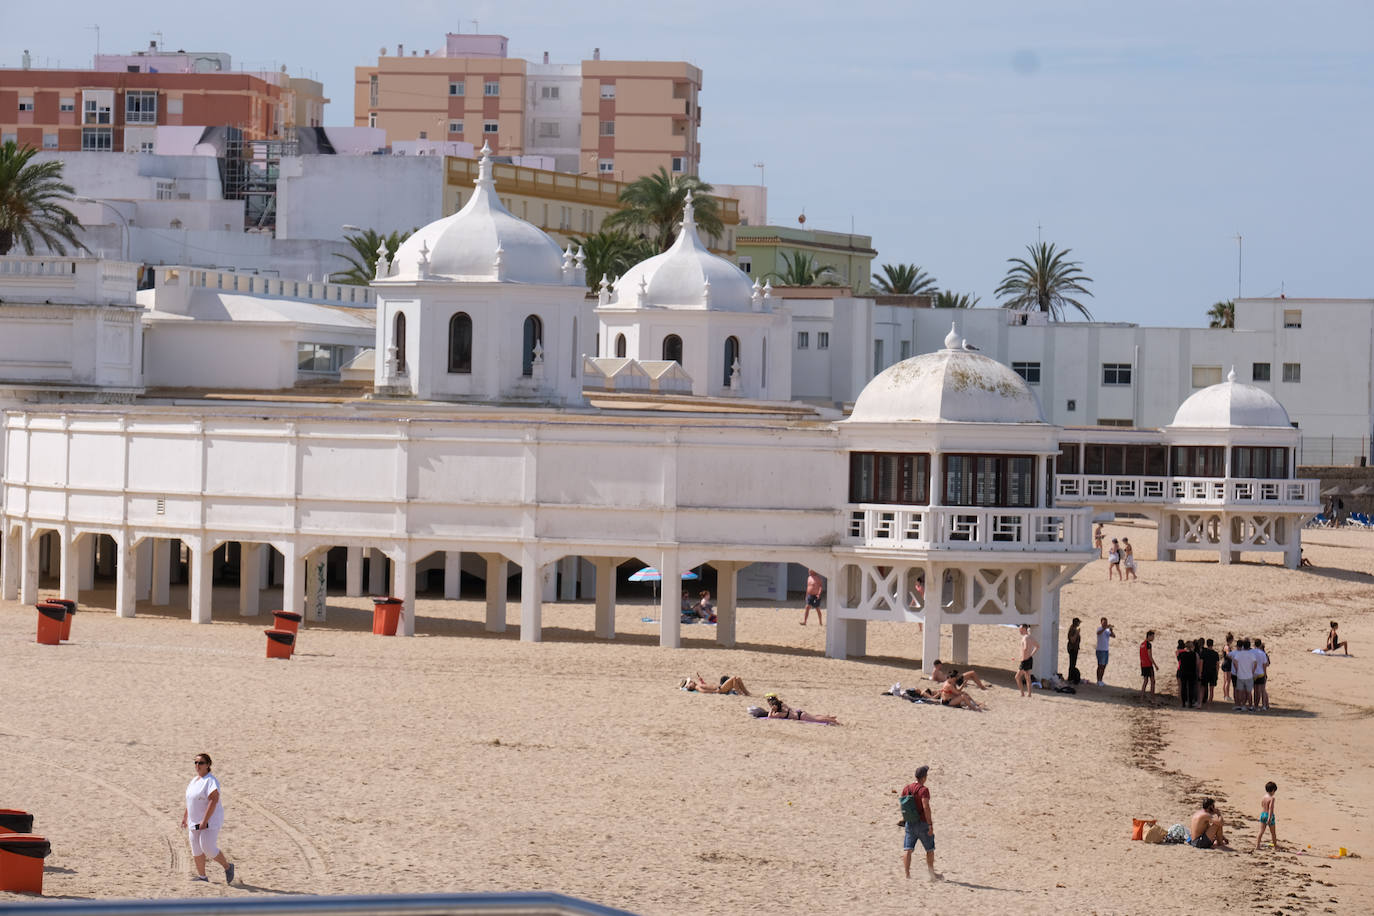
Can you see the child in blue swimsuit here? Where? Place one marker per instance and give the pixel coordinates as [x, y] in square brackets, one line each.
[1267, 818]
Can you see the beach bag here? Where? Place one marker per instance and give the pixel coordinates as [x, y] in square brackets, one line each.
[1155, 834]
[911, 808]
[1177, 834]
[1075, 676]
[1138, 825]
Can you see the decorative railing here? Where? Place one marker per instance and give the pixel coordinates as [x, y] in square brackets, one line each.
[37, 267]
[962, 528]
[1100, 489]
[339, 293]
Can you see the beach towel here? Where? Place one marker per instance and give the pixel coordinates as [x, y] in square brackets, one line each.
[1331, 654]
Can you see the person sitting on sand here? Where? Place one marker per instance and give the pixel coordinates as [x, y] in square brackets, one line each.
[1205, 827]
[1334, 641]
[939, 674]
[951, 695]
[704, 608]
[730, 685]
[777, 709]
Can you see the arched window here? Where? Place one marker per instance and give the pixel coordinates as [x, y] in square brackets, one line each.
[672, 348]
[731, 354]
[620, 345]
[534, 335]
[398, 340]
[460, 344]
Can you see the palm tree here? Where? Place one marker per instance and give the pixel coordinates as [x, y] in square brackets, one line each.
[610, 254]
[32, 199]
[362, 264]
[904, 280]
[945, 299]
[800, 269]
[652, 207]
[1222, 314]
[1044, 283]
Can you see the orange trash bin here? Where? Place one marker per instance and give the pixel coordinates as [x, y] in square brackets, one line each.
[280, 643]
[386, 615]
[12, 820]
[21, 862]
[51, 619]
[71, 610]
[287, 620]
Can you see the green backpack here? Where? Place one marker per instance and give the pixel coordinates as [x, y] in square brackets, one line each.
[911, 808]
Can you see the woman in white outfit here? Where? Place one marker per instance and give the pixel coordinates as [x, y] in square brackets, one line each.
[203, 816]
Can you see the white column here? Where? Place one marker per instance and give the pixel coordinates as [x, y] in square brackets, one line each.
[930, 636]
[856, 637]
[727, 579]
[403, 587]
[496, 592]
[85, 552]
[67, 573]
[316, 582]
[250, 574]
[1047, 633]
[836, 636]
[670, 601]
[531, 595]
[376, 573]
[143, 570]
[162, 572]
[567, 578]
[126, 577]
[200, 588]
[11, 562]
[548, 582]
[270, 561]
[605, 597]
[353, 585]
[453, 574]
[292, 588]
[28, 588]
[960, 650]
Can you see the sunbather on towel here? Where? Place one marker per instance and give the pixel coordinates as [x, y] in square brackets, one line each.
[777, 709]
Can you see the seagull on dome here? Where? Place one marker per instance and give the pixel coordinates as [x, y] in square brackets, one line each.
[967, 346]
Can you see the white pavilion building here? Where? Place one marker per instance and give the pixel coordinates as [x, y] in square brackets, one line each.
[482, 446]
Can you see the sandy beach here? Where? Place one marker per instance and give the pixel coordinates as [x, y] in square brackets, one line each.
[465, 761]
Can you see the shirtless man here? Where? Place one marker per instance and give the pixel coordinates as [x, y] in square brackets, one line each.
[939, 674]
[1028, 649]
[1205, 827]
[814, 585]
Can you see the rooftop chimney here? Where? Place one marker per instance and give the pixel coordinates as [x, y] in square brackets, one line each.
[400, 50]
[596, 54]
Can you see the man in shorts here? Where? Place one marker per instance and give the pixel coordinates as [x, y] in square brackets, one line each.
[921, 828]
[1205, 827]
[1028, 649]
[1147, 665]
[1105, 634]
[1243, 662]
[814, 586]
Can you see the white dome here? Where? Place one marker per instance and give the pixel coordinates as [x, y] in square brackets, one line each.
[687, 275]
[467, 245]
[1230, 404]
[950, 385]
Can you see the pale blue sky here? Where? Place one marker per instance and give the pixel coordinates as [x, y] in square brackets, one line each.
[1142, 136]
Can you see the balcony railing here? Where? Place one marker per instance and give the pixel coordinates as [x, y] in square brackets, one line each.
[1103, 489]
[964, 528]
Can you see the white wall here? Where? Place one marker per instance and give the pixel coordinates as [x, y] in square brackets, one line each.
[317, 195]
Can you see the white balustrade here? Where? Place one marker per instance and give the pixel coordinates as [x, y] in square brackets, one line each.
[289, 289]
[1106, 489]
[961, 527]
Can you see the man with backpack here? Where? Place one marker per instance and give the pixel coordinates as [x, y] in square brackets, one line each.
[916, 817]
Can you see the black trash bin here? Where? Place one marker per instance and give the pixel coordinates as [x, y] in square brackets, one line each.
[13, 820]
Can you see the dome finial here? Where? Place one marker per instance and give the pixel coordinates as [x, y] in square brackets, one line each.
[484, 178]
[1231, 376]
[952, 338]
[689, 217]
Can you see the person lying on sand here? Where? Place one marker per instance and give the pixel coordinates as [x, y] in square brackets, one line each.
[727, 684]
[939, 673]
[951, 695]
[777, 709]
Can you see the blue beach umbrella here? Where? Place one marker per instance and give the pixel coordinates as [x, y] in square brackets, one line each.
[650, 574]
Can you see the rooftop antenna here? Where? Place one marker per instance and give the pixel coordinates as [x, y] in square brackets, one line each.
[475, 27]
[1038, 240]
[97, 38]
[159, 40]
[1240, 251]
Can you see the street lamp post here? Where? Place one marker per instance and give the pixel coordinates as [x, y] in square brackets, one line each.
[124, 223]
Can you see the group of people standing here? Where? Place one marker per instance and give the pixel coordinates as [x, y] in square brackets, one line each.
[1241, 666]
